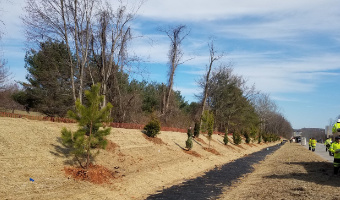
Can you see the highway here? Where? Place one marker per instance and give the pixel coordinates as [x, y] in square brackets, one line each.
[321, 151]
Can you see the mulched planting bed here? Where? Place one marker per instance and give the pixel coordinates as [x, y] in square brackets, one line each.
[193, 153]
[200, 140]
[95, 174]
[154, 140]
[211, 150]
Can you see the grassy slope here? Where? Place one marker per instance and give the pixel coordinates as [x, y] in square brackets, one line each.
[31, 149]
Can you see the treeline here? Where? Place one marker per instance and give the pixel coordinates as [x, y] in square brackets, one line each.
[78, 45]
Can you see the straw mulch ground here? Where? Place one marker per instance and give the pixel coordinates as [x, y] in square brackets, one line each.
[293, 173]
[35, 165]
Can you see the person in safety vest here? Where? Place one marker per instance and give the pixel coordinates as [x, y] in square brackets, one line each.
[310, 143]
[328, 143]
[335, 148]
[313, 144]
[336, 127]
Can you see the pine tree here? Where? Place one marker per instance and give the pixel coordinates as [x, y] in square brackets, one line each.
[48, 87]
[208, 124]
[188, 143]
[90, 118]
[210, 127]
[197, 130]
[237, 138]
[226, 139]
[259, 139]
[153, 128]
[246, 135]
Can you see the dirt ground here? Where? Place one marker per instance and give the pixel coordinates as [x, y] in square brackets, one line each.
[34, 162]
[292, 172]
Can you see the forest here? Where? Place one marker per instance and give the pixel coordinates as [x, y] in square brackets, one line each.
[77, 44]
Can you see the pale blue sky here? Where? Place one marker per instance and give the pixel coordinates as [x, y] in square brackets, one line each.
[289, 49]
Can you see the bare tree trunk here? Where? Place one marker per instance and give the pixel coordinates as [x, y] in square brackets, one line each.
[69, 50]
[207, 77]
[71, 21]
[77, 48]
[169, 89]
[120, 35]
[175, 56]
[88, 147]
[81, 43]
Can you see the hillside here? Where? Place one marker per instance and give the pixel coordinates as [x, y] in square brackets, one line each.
[32, 149]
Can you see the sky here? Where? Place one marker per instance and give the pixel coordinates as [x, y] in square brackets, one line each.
[288, 49]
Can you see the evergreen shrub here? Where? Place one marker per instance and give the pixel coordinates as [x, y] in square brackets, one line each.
[153, 128]
[237, 138]
[246, 135]
[226, 139]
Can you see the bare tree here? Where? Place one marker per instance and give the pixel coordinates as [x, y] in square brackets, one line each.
[68, 21]
[84, 25]
[6, 100]
[264, 107]
[176, 36]
[4, 75]
[113, 35]
[212, 59]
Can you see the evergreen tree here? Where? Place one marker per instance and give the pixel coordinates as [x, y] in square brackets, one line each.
[253, 133]
[259, 139]
[226, 139]
[246, 135]
[208, 124]
[153, 128]
[49, 86]
[90, 118]
[237, 138]
[189, 132]
[188, 143]
[210, 127]
[197, 130]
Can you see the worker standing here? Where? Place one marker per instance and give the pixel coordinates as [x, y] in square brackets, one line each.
[336, 127]
[328, 143]
[313, 144]
[335, 148]
[310, 143]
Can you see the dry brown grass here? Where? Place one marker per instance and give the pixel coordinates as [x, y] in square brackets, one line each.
[32, 149]
[292, 172]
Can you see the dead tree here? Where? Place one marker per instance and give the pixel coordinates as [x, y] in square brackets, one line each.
[212, 59]
[113, 35]
[176, 36]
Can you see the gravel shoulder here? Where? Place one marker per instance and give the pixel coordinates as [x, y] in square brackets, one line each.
[292, 172]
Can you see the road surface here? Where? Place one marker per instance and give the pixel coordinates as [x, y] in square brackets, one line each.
[321, 151]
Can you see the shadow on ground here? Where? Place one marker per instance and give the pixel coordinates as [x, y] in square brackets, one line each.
[62, 151]
[317, 172]
[210, 185]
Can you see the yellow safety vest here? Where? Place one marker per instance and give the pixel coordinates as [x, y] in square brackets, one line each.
[333, 149]
[335, 128]
[313, 143]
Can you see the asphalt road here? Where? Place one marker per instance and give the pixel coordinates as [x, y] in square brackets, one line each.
[321, 151]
